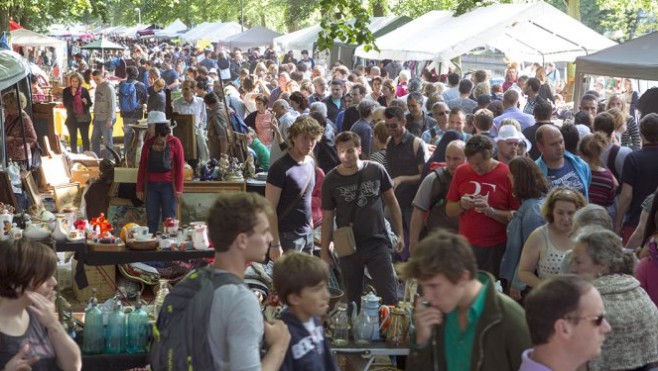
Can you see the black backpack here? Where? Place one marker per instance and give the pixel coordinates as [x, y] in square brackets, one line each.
[180, 335]
[159, 161]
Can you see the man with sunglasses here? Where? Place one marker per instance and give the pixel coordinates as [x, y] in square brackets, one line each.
[440, 112]
[567, 324]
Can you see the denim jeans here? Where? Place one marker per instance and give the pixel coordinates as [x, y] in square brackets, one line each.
[100, 131]
[160, 204]
[293, 241]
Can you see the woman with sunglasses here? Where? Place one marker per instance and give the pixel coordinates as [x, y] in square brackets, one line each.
[633, 342]
[547, 245]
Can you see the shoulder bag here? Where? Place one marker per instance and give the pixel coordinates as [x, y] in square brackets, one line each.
[343, 237]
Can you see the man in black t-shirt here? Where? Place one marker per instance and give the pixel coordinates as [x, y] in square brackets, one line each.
[363, 209]
[290, 183]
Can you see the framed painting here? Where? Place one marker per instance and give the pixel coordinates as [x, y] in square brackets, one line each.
[7, 196]
[198, 198]
[30, 187]
[66, 196]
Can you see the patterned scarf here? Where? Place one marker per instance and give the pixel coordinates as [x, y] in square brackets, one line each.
[78, 108]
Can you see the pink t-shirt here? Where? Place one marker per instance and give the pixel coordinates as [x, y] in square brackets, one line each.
[647, 273]
[479, 229]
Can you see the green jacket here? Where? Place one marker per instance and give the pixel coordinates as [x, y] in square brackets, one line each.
[501, 336]
[262, 153]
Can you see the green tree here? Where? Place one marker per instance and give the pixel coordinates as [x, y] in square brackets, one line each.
[37, 15]
[335, 25]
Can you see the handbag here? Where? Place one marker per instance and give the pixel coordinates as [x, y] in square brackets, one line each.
[343, 237]
[85, 118]
[35, 163]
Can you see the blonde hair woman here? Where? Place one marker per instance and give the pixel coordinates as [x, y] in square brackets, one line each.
[630, 137]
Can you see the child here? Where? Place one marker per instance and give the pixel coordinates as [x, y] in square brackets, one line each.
[301, 283]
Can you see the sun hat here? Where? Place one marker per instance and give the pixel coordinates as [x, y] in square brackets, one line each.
[157, 117]
[509, 132]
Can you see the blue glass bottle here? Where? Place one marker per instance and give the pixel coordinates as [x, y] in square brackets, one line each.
[94, 337]
[116, 330]
[139, 329]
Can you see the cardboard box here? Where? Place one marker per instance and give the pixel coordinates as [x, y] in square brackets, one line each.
[125, 174]
[101, 277]
[83, 176]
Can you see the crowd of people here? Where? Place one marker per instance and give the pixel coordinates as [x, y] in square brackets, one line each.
[558, 213]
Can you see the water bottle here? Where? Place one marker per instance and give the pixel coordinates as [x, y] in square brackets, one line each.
[94, 339]
[116, 330]
[163, 291]
[138, 329]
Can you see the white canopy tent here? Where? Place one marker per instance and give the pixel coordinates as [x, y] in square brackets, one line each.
[215, 31]
[172, 31]
[524, 32]
[305, 38]
[637, 58]
[257, 36]
[24, 37]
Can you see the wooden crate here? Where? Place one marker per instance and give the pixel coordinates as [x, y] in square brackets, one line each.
[83, 176]
[96, 277]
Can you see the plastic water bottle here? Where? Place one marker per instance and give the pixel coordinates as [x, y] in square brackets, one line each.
[94, 338]
[138, 329]
[116, 330]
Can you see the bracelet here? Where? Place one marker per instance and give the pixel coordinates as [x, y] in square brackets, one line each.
[490, 212]
[275, 245]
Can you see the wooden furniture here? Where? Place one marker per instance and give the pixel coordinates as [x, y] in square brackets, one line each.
[44, 125]
[185, 131]
[198, 198]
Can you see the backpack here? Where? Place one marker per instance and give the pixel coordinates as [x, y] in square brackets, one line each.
[440, 188]
[128, 97]
[180, 335]
[159, 161]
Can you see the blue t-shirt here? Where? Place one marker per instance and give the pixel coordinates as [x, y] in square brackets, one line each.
[566, 176]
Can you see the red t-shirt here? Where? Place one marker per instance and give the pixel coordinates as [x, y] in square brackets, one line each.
[479, 229]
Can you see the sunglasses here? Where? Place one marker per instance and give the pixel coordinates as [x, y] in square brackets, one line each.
[392, 126]
[596, 320]
[443, 113]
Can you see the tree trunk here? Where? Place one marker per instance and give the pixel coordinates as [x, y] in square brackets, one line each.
[573, 10]
[378, 9]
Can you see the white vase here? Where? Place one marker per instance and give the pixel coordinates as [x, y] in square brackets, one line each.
[61, 228]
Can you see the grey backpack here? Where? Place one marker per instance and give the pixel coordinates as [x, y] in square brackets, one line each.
[180, 336]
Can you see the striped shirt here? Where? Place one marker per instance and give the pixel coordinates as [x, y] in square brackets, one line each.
[602, 190]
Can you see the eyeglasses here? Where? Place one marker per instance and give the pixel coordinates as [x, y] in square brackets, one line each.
[513, 143]
[443, 113]
[596, 320]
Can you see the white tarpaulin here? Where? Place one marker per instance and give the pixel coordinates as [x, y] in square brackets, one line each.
[256, 36]
[25, 37]
[215, 31]
[306, 37]
[173, 30]
[524, 32]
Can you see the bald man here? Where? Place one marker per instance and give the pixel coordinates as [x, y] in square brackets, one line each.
[561, 167]
[431, 196]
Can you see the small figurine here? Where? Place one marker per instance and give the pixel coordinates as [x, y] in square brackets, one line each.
[234, 173]
[223, 166]
[248, 168]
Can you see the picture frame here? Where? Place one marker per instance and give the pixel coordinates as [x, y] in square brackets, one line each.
[198, 198]
[32, 189]
[66, 196]
[7, 196]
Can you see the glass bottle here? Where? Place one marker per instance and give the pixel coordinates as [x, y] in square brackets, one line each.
[116, 330]
[94, 338]
[339, 325]
[163, 291]
[138, 329]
